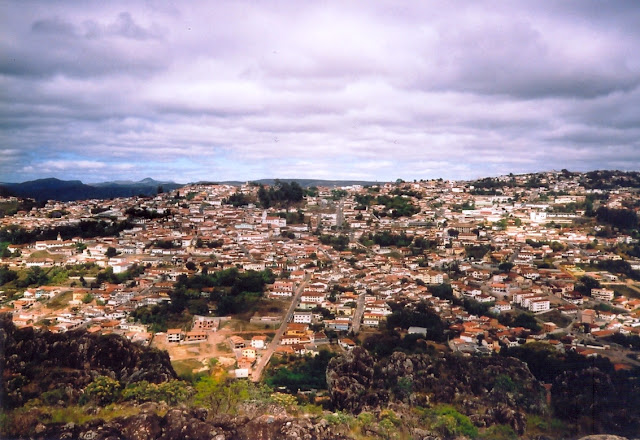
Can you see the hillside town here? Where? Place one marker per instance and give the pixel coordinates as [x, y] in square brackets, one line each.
[501, 262]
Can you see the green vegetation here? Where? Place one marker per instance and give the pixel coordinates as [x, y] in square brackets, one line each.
[586, 284]
[228, 291]
[524, 320]
[292, 218]
[418, 315]
[85, 229]
[386, 239]
[620, 218]
[107, 276]
[337, 194]
[619, 267]
[9, 208]
[338, 242]
[224, 396]
[398, 205]
[102, 391]
[238, 199]
[630, 341]
[584, 388]
[7, 275]
[146, 213]
[304, 373]
[477, 252]
[446, 421]
[280, 194]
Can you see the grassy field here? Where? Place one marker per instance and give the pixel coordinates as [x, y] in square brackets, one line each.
[61, 300]
[186, 367]
[625, 290]
[556, 317]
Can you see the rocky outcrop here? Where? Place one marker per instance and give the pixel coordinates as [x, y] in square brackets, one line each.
[189, 424]
[494, 390]
[34, 362]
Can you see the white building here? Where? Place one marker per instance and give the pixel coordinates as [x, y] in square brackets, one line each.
[539, 305]
[302, 317]
[602, 294]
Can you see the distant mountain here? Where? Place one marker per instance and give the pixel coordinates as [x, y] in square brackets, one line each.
[67, 190]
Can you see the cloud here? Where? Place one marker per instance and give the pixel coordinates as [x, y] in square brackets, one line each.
[243, 90]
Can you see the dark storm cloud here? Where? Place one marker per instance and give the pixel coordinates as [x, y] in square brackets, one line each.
[376, 90]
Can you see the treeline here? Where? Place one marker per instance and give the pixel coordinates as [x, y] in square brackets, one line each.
[146, 213]
[398, 205]
[386, 239]
[606, 179]
[619, 218]
[280, 194]
[292, 218]
[238, 199]
[420, 315]
[619, 267]
[85, 229]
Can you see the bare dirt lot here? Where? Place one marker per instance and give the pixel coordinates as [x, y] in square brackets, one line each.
[197, 356]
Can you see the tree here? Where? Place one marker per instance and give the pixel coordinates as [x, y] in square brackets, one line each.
[7, 275]
[111, 252]
[587, 284]
[505, 267]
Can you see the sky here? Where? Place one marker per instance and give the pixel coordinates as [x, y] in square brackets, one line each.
[362, 90]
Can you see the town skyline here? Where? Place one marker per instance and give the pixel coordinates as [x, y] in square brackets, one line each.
[387, 90]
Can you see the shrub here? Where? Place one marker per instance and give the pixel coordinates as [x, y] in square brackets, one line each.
[450, 422]
[500, 432]
[54, 396]
[103, 390]
[339, 418]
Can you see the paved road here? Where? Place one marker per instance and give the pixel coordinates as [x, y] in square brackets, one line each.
[266, 356]
[357, 316]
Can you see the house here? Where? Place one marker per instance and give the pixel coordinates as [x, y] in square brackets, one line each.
[602, 294]
[347, 344]
[502, 306]
[312, 297]
[539, 305]
[372, 319]
[338, 324]
[259, 342]
[205, 323]
[587, 316]
[290, 340]
[302, 317]
[282, 288]
[195, 336]
[249, 353]
[236, 342]
[174, 335]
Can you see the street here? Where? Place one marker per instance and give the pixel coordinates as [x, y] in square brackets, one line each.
[273, 345]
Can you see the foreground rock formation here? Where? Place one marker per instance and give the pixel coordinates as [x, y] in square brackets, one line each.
[492, 390]
[35, 361]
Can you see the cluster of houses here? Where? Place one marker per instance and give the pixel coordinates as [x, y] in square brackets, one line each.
[518, 250]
